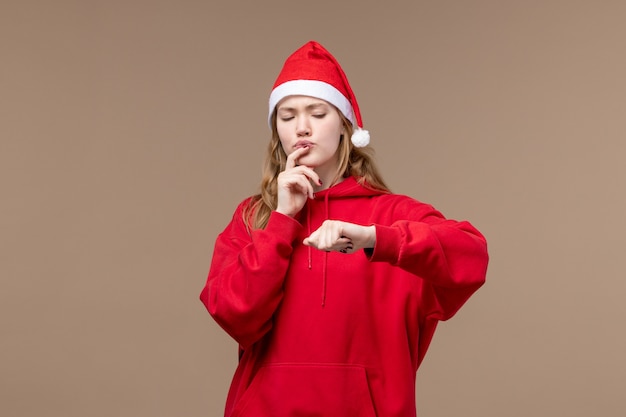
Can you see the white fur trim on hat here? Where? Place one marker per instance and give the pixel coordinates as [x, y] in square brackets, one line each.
[312, 88]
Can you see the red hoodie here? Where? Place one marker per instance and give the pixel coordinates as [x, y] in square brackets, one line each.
[332, 334]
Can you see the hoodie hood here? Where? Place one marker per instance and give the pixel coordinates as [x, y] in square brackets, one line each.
[349, 187]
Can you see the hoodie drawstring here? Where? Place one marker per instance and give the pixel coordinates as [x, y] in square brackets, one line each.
[309, 249]
[324, 278]
[325, 266]
[308, 222]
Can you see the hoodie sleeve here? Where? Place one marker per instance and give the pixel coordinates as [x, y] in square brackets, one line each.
[451, 256]
[245, 281]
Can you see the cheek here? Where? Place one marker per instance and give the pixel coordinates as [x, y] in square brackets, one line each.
[281, 132]
[282, 136]
[333, 134]
[284, 147]
[284, 144]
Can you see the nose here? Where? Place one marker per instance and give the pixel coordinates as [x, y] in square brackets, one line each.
[302, 127]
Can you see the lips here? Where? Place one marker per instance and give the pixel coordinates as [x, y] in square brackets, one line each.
[303, 144]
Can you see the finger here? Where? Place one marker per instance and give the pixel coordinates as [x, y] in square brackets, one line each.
[297, 175]
[342, 245]
[292, 158]
[325, 236]
[292, 162]
[302, 185]
[335, 238]
[309, 173]
[327, 242]
[329, 239]
[307, 188]
[306, 171]
[311, 241]
[348, 248]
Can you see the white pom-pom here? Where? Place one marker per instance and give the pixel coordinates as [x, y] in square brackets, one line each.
[360, 137]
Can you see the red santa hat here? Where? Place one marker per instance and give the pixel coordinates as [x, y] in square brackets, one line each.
[313, 71]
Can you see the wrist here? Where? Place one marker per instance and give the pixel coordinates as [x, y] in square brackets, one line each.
[371, 241]
[284, 212]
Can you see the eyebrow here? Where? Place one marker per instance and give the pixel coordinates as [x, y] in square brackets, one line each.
[311, 106]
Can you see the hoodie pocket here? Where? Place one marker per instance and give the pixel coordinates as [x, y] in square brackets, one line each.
[282, 390]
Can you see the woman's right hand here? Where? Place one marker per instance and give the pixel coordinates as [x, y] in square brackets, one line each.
[294, 184]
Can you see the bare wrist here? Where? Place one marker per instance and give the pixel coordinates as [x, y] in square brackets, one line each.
[371, 242]
[283, 212]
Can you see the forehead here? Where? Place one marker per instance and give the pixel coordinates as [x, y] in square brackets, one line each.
[291, 102]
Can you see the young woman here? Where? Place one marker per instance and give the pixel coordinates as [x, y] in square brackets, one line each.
[331, 284]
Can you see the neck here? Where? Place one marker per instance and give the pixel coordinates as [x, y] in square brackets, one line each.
[328, 180]
[328, 173]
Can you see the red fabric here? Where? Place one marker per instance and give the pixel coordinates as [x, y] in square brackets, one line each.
[346, 336]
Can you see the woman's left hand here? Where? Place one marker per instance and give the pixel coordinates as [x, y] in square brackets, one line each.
[338, 236]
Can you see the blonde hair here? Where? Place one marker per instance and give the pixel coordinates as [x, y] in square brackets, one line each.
[353, 161]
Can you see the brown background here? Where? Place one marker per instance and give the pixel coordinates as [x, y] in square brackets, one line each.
[131, 129]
